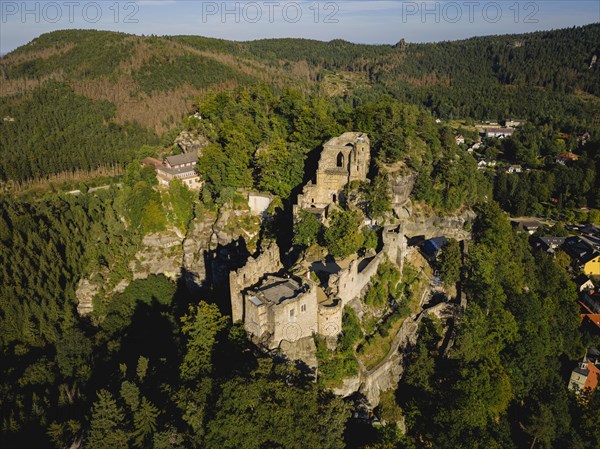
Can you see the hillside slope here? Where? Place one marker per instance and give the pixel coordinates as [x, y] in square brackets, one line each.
[136, 88]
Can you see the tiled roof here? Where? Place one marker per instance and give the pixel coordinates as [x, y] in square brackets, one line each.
[184, 158]
[592, 377]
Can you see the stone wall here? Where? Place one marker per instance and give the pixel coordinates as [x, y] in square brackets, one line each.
[292, 323]
[344, 159]
[330, 320]
[395, 244]
[386, 374]
[266, 262]
[349, 283]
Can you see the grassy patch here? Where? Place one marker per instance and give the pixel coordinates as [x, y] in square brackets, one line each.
[381, 333]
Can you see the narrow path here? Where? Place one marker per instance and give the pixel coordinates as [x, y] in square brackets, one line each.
[409, 327]
[95, 189]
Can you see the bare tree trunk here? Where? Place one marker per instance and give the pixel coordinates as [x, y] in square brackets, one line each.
[533, 443]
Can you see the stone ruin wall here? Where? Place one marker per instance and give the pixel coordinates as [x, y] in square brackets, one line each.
[266, 262]
[350, 282]
[353, 152]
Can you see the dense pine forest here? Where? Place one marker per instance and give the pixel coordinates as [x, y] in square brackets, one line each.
[156, 365]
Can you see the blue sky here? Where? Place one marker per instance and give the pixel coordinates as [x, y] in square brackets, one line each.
[373, 21]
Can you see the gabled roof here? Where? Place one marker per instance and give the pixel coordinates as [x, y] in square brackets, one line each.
[568, 157]
[592, 377]
[578, 249]
[553, 241]
[589, 256]
[432, 246]
[184, 158]
[593, 318]
[581, 279]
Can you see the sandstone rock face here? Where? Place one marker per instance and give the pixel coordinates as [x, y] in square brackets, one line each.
[160, 253]
[195, 250]
[303, 349]
[85, 295]
[191, 142]
[350, 386]
[401, 185]
[387, 373]
[452, 226]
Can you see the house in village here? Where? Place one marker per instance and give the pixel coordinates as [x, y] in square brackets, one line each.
[585, 376]
[566, 157]
[584, 254]
[181, 166]
[514, 169]
[591, 264]
[583, 283]
[514, 122]
[549, 244]
[460, 139]
[485, 164]
[529, 226]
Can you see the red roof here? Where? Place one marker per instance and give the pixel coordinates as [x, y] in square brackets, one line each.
[568, 156]
[593, 317]
[592, 378]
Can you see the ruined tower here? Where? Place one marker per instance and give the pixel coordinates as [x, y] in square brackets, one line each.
[344, 159]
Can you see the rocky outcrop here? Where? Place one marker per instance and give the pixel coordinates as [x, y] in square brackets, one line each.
[350, 385]
[402, 181]
[196, 246]
[191, 142]
[451, 226]
[159, 253]
[303, 349]
[85, 293]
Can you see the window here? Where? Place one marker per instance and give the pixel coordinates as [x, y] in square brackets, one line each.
[340, 159]
[303, 308]
[292, 313]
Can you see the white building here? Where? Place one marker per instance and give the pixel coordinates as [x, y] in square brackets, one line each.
[499, 133]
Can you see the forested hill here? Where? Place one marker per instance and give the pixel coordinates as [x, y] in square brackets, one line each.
[127, 91]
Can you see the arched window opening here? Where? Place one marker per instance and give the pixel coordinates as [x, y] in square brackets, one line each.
[340, 159]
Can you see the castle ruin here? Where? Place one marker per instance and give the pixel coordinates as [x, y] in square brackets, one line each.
[344, 159]
[277, 308]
